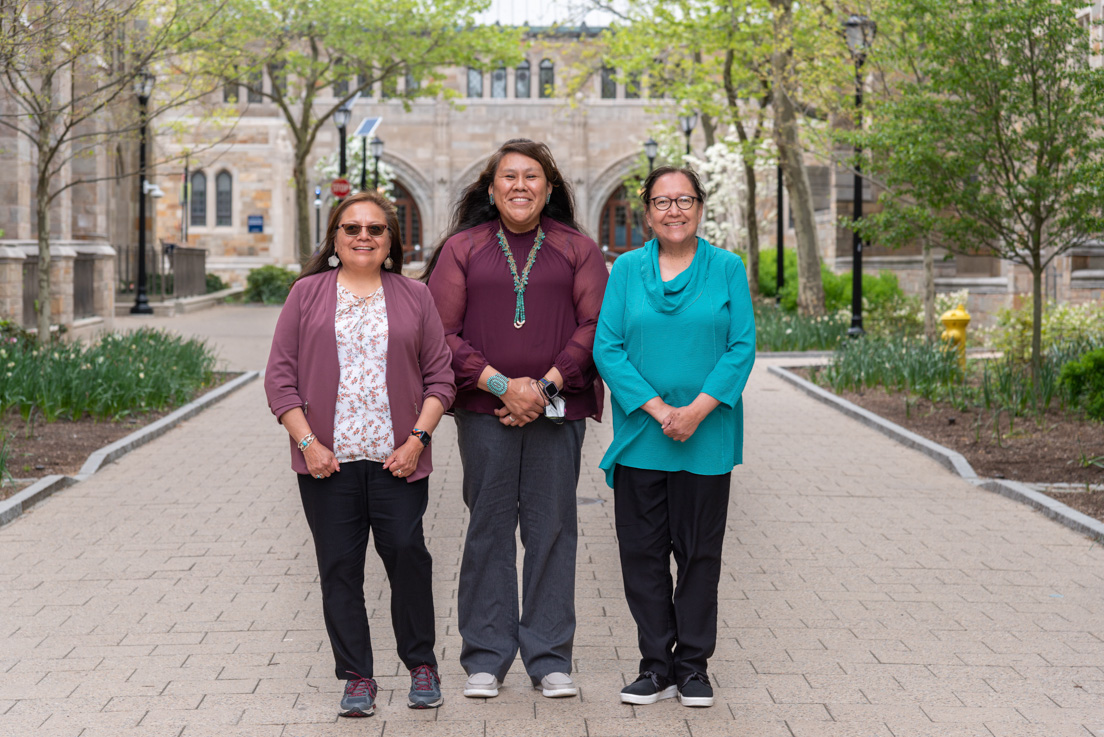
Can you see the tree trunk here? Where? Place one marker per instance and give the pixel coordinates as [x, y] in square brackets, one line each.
[1036, 323]
[304, 241]
[751, 222]
[810, 288]
[42, 219]
[931, 331]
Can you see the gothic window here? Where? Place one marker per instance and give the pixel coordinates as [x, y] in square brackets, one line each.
[255, 82]
[412, 82]
[341, 88]
[198, 206]
[230, 92]
[609, 84]
[621, 227]
[521, 81]
[632, 86]
[475, 83]
[224, 185]
[279, 77]
[547, 78]
[498, 83]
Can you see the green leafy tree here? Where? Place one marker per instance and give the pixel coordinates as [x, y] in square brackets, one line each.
[728, 60]
[67, 73]
[991, 144]
[308, 48]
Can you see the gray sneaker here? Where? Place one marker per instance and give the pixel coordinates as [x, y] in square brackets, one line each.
[359, 699]
[425, 688]
[556, 685]
[481, 686]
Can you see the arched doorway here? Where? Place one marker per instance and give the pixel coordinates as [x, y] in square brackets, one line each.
[410, 221]
[620, 227]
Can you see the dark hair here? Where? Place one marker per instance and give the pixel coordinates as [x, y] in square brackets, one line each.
[320, 261]
[653, 177]
[474, 206]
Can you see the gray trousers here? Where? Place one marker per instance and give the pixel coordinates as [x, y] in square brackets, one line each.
[513, 475]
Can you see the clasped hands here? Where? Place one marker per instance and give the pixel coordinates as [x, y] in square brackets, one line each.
[678, 423]
[402, 462]
[523, 403]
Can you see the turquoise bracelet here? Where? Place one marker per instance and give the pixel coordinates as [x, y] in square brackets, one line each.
[498, 384]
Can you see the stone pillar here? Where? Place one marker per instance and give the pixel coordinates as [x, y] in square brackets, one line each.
[104, 277]
[61, 280]
[11, 284]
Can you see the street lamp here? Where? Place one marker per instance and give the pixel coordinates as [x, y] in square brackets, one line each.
[859, 32]
[143, 88]
[377, 154]
[651, 148]
[363, 163]
[318, 217]
[687, 123]
[779, 237]
[341, 120]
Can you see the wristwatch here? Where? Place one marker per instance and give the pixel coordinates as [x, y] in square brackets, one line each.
[498, 384]
[549, 388]
[421, 435]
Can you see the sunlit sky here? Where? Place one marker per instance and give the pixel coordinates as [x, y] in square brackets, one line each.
[544, 13]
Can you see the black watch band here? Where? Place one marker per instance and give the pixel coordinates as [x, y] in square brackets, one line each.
[549, 388]
[421, 435]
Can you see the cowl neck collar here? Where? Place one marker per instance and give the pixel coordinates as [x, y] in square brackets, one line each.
[674, 296]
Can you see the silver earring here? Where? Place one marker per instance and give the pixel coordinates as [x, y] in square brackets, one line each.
[334, 261]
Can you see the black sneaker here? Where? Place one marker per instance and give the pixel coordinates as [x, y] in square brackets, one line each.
[359, 699]
[425, 688]
[648, 688]
[696, 691]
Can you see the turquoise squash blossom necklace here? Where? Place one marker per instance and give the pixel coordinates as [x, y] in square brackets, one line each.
[520, 282]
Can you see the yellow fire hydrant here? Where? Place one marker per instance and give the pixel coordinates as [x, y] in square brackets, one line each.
[955, 322]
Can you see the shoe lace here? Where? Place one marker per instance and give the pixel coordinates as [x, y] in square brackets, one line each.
[360, 685]
[696, 677]
[653, 677]
[425, 678]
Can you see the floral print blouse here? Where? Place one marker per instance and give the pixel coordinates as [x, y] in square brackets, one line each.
[362, 417]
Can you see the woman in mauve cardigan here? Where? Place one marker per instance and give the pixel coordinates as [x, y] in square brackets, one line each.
[675, 344]
[360, 375]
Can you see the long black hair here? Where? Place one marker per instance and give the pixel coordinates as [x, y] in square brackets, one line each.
[474, 206]
[320, 261]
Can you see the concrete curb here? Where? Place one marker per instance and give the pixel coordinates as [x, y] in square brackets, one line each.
[952, 460]
[44, 487]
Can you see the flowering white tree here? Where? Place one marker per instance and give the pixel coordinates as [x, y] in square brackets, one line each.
[726, 220]
[327, 168]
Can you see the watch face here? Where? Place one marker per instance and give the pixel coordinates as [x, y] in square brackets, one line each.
[551, 389]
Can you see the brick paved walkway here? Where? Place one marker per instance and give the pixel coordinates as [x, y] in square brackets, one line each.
[866, 592]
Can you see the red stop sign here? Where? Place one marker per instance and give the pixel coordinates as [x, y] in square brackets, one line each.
[340, 188]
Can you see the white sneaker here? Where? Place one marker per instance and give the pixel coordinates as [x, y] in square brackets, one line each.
[555, 685]
[481, 686]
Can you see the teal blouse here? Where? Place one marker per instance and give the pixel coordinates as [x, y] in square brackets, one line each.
[675, 340]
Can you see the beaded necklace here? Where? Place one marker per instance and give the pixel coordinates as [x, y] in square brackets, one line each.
[520, 282]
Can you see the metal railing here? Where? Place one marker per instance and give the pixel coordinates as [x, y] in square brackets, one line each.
[171, 271]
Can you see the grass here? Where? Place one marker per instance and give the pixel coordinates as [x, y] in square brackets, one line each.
[779, 330]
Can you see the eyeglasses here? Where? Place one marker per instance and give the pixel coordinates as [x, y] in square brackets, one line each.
[353, 229]
[684, 203]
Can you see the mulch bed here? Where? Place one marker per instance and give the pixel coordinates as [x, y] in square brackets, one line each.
[1053, 449]
[62, 447]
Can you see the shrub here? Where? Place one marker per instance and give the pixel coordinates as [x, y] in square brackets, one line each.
[837, 287]
[778, 330]
[1081, 326]
[269, 284]
[215, 283]
[1084, 382]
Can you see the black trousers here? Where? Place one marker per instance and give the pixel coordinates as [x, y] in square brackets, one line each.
[341, 510]
[660, 513]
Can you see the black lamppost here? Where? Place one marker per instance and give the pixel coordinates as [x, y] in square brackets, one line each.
[859, 31]
[143, 88]
[779, 237]
[363, 163]
[341, 120]
[687, 123]
[317, 217]
[377, 154]
[651, 148]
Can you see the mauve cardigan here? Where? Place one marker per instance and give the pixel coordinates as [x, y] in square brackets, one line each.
[419, 364]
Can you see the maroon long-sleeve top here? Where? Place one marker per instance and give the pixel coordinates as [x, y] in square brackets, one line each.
[474, 291]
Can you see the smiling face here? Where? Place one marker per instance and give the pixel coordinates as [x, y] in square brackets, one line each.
[674, 227]
[364, 253]
[520, 191]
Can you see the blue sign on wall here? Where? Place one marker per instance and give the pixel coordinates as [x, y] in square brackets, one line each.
[256, 223]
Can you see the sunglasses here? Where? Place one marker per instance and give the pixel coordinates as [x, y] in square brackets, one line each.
[353, 229]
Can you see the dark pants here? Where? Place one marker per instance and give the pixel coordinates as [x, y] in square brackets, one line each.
[659, 513]
[518, 476]
[341, 510]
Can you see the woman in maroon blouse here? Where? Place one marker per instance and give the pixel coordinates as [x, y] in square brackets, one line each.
[519, 289]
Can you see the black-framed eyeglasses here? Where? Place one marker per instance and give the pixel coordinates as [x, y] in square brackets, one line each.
[684, 203]
[353, 229]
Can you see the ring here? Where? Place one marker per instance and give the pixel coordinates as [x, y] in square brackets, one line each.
[318, 476]
[512, 420]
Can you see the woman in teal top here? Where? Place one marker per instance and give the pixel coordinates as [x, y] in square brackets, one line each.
[675, 343]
